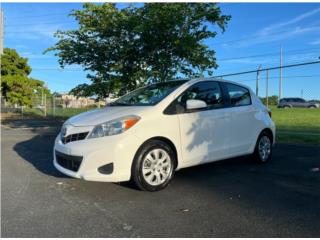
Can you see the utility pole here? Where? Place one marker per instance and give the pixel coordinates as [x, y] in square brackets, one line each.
[45, 105]
[1, 31]
[54, 105]
[257, 81]
[280, 87]
[267, 85]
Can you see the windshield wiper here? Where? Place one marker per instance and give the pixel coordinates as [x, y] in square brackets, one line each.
[118, 104]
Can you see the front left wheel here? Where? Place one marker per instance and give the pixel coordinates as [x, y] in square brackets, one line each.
[153, 166]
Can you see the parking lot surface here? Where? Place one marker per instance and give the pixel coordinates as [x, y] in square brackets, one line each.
[232, 198]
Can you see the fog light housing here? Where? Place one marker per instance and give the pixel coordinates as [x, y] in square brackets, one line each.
[106, 169]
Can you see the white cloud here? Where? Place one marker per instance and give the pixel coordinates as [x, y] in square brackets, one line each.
[281, 30]
[36, 31]
[259, 39]
[33, 55]
[275, 27]
[273, 59]
[315, 42]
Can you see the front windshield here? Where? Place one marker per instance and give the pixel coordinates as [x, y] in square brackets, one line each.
[149, 95]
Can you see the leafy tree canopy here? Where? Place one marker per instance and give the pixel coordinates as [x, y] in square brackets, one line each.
[272, 100]
[13, 64]
[126, 48]
[16, 86]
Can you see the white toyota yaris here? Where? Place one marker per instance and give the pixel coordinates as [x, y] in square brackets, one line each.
[153, 131]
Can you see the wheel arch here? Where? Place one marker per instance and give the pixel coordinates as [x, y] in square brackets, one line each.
[269, 131]
[165, 140]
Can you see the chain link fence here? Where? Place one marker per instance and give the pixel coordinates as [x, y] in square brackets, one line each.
[271, 85]
[300, 82]
[299, 123]
[49, 107]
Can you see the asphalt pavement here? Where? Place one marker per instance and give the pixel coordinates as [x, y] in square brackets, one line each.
[231, 198]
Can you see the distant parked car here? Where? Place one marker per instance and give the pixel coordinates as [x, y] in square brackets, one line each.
[297, 102]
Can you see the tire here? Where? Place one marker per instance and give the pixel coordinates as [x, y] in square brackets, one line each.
[263, 149]
[312, 106]
[153, 166]
[286, 107]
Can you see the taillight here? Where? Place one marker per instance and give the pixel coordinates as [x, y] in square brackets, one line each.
[270, 114]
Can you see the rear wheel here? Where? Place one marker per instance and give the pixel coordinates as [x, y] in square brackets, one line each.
[263, 149]
[312, 106]
[153, 166]
[286, 107]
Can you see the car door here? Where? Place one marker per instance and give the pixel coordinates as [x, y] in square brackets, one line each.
[243, 123]
[300, 102]
[204, 132]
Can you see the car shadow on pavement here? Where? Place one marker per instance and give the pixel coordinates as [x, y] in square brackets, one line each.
[37, 150]
[33, 124]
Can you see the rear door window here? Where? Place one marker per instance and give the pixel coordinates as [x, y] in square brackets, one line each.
[238, 96]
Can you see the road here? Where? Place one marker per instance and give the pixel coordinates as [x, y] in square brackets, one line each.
[232, 198]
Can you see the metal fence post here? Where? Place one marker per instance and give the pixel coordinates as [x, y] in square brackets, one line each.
[267, 85]
[45, 105]
[53, 106]
[257, 81]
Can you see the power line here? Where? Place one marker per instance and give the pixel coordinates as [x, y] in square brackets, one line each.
[250, 38]
[32, 31]
[224, 42]
[268, 54]
[32, 24]
[306, 50]
[264, 69]
[294, 64]
[35, 16]
[286, 77]
[58, 69]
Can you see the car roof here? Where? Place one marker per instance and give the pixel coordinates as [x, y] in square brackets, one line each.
[291, 98]
[194, 80]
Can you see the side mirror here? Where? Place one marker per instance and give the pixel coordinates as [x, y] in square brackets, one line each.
[196, 104]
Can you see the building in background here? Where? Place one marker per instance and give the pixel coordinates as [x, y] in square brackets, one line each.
[71, 101]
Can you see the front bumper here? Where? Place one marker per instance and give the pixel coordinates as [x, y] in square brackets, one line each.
[117, 150]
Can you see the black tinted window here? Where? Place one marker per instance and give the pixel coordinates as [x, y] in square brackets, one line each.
[239, 96]
[208, 92]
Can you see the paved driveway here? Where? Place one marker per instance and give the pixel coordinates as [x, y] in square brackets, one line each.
[232, 198]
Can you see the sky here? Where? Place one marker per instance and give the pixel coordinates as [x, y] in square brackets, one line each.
[253, 37]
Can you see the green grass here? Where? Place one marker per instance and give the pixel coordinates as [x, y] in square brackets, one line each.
[298, 139]
[297, 119]
[61, 113]
[302, 121]
[293, 125]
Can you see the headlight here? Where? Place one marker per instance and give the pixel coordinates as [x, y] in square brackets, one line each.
[114, 127]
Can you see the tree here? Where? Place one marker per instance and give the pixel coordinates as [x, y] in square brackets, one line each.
[126, 48]
[272, 100]
[16, 86]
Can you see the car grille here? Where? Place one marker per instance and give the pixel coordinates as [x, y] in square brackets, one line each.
[74, 137]
[68, 161]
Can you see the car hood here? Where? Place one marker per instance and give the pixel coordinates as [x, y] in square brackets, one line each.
[98, 116]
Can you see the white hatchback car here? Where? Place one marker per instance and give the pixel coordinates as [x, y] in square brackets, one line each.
[153, 131]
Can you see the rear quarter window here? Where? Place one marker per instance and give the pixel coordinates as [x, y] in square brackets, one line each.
[238, 96]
